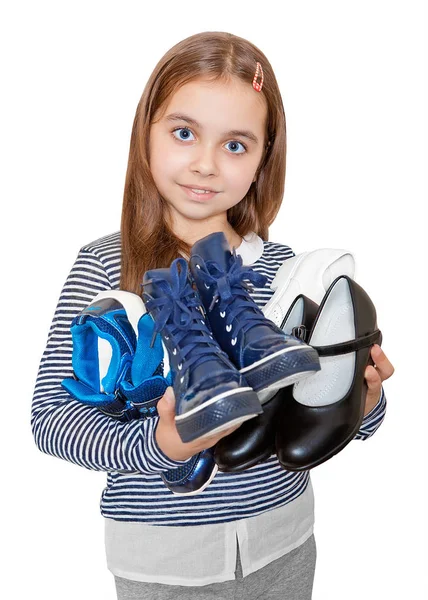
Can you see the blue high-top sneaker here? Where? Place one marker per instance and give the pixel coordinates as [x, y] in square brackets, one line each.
[267, 357]
[211, 395]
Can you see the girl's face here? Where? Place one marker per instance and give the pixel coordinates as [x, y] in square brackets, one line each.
[210, 135]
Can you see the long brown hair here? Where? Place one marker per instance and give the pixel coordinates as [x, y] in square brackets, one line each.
[147, 242]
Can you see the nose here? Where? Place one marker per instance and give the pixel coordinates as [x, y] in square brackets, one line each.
[204, 161]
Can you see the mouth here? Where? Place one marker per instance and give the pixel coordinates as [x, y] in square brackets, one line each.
[199, 193]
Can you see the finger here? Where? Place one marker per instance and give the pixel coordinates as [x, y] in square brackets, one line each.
[383, 365]
[210, 441]
[166, 405]
[232, 428]
[373, 379]
[374, 388]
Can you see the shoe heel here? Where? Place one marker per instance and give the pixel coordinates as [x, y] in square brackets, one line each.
[218, 415]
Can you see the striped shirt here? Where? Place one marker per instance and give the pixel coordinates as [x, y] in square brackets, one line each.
[128, 452]
[266, 510]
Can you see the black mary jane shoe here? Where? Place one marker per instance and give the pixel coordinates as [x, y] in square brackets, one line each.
[324, 412]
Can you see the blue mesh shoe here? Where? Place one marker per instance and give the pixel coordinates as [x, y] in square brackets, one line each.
[211, 395]
[104, 339]
[118, 370]
[194, 476]
[267, 357]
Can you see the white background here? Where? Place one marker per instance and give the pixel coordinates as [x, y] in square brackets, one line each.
[351, 77]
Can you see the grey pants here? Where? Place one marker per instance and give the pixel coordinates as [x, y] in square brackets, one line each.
[290, 577]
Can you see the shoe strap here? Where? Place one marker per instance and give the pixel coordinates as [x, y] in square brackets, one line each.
[350, 346]
[139, 404]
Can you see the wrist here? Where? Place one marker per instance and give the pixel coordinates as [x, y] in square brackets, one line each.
[162, 439]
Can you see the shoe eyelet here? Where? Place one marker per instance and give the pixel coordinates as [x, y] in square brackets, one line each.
[180, 366]
[216, 301]
[174, 351]
[198, 266]
[181, 379]
[166, 337]
[207, 286]
[234, 341]
[228, 327]
[222, 315]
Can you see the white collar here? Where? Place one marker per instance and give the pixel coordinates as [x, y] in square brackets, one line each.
[251, 248]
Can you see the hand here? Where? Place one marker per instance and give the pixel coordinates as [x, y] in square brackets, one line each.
[168, 438]
[374, 376]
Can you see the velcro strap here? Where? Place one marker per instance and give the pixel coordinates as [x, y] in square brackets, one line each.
[124, 413]
[350, 346]
[87, 395]
[147, 393]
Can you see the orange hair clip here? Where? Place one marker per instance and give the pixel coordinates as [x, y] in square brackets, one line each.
[258, 86]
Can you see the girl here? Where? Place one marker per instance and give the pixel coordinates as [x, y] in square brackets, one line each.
[210, 118]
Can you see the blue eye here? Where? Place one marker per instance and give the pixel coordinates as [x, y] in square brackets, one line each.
[181, 129]
[241, 144]
[186, 138]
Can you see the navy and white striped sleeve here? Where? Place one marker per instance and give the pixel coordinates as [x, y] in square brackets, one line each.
[64, 427]
[373, 420]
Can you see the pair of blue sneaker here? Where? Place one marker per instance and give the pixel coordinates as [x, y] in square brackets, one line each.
[226, 358]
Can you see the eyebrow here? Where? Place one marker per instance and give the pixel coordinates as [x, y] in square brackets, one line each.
[234, 132]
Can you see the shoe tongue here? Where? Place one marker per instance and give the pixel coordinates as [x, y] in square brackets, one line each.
[214, 247]
[157, 288]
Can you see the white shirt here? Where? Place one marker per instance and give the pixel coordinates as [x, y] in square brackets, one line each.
[205, 554]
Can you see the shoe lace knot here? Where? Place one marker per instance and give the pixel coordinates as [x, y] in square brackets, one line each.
[180, 313]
